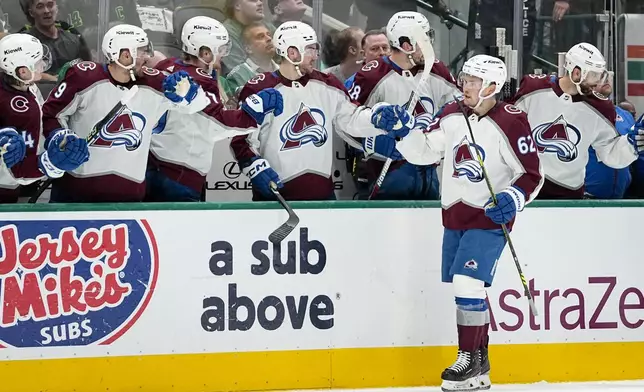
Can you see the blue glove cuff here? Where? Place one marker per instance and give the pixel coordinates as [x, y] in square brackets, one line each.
[517, 196]
[255, 167]
[49, 168]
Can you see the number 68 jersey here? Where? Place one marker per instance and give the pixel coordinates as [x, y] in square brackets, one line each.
[22, 111]
[509, 155]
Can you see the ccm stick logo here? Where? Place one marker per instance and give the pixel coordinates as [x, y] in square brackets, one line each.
[611, 307]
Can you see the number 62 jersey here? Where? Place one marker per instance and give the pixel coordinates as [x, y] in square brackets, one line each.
[509, 155]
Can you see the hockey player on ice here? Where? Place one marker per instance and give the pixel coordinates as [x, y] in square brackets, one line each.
[473, 239]
[182, 145]
[25, 160]
[567, 117]
[119, 154]
[295, 150]
[392, 79]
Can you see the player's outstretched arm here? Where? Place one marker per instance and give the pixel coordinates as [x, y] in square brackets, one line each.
[64, 151]
[613, 149]
[63, 102]
[424, 146]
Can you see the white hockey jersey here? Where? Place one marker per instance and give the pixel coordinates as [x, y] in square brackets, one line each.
[298, 144]
[502, 137]
[118, 157]
[187, 141]
[564, 127]
[383, 81]
[22, 111]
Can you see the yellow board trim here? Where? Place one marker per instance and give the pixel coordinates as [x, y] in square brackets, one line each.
[319, 369]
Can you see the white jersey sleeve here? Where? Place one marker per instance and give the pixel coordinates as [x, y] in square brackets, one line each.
[612, 149]
[424, 146]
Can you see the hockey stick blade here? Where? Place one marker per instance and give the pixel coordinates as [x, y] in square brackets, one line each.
[506, 233]
[429, 56]
[279, 234]
[127, 97]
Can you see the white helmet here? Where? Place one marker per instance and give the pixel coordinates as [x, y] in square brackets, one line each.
[23, 50]
[294, 34]
[122, 37]
[203, 31]
[590, 62]
[489, 69]
[402, 24]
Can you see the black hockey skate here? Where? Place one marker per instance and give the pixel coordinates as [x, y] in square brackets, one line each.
[484, 378]
[463, 375]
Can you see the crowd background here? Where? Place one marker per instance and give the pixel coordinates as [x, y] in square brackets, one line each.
[352, 33]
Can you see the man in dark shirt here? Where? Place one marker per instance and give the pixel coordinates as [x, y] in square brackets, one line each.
[64, 42]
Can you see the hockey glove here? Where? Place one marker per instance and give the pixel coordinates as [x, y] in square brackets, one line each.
[636, 135]
[261, 175]
[12, 147]
[393, 119]
[381, 145]
[179, 86]
[65, 151]
[509, 201]
[259, 105]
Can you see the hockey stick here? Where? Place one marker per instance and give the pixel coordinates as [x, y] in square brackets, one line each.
[506, 233]
[426, 48]
[287, 227]
[127, 97]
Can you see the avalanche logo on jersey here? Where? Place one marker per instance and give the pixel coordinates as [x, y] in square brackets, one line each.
[423, 112]
[465, 162]
[307, 126]
[558, 137]
[125, 129]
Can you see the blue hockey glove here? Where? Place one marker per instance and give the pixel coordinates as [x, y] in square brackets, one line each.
[65, 151]
[393, 119]
[12, 147]
[179, 86]
[382, 145]
[261, 175]
[636, 135]
[259, 105]
[509, 201]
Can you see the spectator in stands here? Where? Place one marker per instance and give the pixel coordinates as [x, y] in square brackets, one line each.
[287, 10]
[259, 47]
[374, 45]
[240, 13]
[64, 42]
[343, 52]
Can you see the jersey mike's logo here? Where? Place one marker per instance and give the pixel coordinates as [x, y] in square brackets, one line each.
[558, 137]
[307, 126]
[74, 283]
[423, 112]
[465, 161]
[125, 129]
